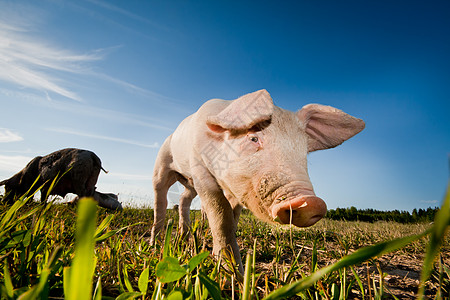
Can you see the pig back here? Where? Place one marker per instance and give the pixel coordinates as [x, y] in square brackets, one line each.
[191, 137]
[181, 142]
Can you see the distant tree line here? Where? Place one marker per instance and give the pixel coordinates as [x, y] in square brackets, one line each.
[372, 215]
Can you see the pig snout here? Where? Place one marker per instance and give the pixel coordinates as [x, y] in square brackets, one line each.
[303, 211]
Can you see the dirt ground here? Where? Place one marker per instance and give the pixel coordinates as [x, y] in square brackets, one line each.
[401, 276]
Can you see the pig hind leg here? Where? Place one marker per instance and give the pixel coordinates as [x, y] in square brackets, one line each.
[184, 209]
[83, 179]
[91, 182]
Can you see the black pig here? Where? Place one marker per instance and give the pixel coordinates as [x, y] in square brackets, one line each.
[79, 170]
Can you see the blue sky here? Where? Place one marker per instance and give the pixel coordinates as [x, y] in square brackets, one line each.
[116, 77]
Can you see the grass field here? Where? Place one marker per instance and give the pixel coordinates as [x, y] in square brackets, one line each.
[56, 251]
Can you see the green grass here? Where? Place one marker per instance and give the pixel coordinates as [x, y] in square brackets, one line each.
[55, 251]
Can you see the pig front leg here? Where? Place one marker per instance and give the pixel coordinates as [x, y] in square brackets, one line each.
[221, 218]
[223, 227]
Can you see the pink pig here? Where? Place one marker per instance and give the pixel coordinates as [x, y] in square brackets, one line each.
[247, 152]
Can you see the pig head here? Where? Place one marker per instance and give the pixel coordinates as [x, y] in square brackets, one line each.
[77, 169]
[106, 200]
[247, 152]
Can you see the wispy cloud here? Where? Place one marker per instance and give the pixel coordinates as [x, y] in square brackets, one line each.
[135, 89]
[88, 110]
[32, 61]
[102, 137]
[126, 13]
[13, 163]
[28, 61]
[8, 136]
[119, 10]
[131, 177]
[429, 201]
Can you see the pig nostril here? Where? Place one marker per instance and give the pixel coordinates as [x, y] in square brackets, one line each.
[316, 218]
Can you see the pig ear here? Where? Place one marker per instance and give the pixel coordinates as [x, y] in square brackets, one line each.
[328, 127]
[243, 113]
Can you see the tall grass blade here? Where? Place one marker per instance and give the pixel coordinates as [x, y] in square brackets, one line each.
[52, 185]
[441, 222]
[41, 220]
[9, 288]
[197, 292]
[98, 289]
[335, 292]
[99, 237]
[247, 278]
[102, 226]
[358, 279]
[27, 214]
[119, 279]
[127, 280]
[253, 291]
[157, 292]
[196, 260]
[66, 279]
[212, 286]
[128, 296]
[166, 251]
[9, 218]
[35, 291]
[54, 258]
[54, 182]
[294, 267]
[42, 288]
[314, 257]
[83, 264]
[26, 195]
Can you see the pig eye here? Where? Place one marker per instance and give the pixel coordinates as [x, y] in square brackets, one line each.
[254, 139]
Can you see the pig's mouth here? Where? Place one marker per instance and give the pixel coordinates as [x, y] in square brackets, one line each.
[301, 211]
